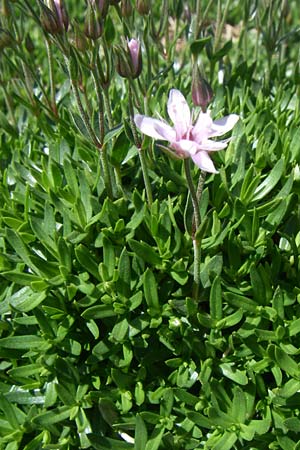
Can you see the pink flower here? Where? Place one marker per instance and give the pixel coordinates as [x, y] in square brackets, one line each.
[188, 140]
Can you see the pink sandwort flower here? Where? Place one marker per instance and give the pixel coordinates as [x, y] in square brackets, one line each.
[188, 140]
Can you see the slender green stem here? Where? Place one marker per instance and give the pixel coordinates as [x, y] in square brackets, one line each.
[106, 171]
[141, 152]
[193, 193]
[100, 105]
[98, 144]
[200, 186]
[84, 115]
[196, 220]
[51, 75]
[222, 15]
[197, 22]
[108, 109]
[9, 105]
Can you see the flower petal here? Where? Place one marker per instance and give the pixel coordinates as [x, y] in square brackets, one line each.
[203, 161]
[202, 127]
[179, 113]
[187, 146]
[155, 128]
[222, 126]
[212, 146]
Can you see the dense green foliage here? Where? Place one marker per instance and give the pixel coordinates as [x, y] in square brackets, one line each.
[102, 344]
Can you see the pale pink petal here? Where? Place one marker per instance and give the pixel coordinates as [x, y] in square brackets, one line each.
[187, 146]
[202, 127]
[155, 128]
[179, 113]
[222, 126]
[212, 146]
[203, 161]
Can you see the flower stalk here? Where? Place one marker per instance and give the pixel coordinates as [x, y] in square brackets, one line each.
[51, 76]
[196, 224]
[141, 152]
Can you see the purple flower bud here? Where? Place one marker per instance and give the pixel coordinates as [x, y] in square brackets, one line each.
[101, 6]
[201, 90]
[129, 59]
[143, 7]
[126, 8]
[135, 56]
[93, 27]
[54, 17]
[62, 14]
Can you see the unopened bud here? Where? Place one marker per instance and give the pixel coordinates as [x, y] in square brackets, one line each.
[201, 90]
[135, 54]
[129, 59]
[6, 39]
[6, 8]
[93, 27]
[143, 7]
[101, 7]
[60, 13]
[126, 8]
[29, 44]
[49, 20]
[78, 39]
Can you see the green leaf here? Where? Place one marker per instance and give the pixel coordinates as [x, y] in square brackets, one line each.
[236, 375]
[56, 415]
[99, 312]
[198, 45]
[155, 439]
[200, 420]
[215, 300]
[270, 182]
[150, 291]
[102, 443]
[20, 248]
[141, 435]
[9, 411]
[293, 424]
[87, 261]
[286, 363]
[71, 178]
[25, 342]
[240, 301]
[124, 270]
[145, 252]
[26, 300]
[224, 442]
[239, 405]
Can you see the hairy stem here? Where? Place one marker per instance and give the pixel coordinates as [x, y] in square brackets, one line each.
[51, 76]
[196, 220]
[140, 151]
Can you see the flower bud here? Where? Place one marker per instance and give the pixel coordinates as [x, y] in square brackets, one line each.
[29, 44]
[6, 39]
[6, 8]
[101, 7]
[129, 60]
[60, 13]
[135, 53]
[126, 8]
[93, 27]
[143, 7]
[49, 20]
[79, 39]
[201, 90]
